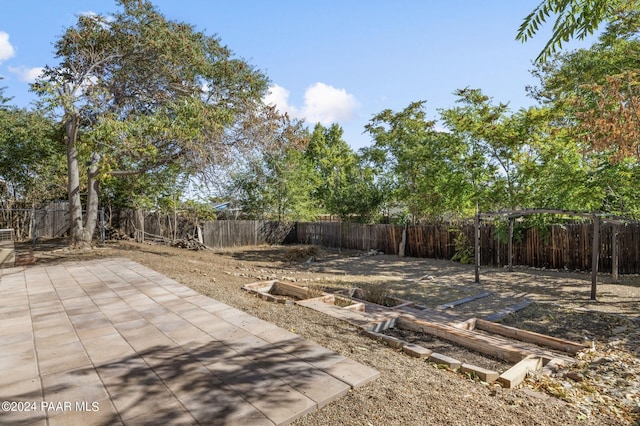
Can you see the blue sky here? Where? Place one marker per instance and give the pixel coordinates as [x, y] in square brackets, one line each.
[329, 61]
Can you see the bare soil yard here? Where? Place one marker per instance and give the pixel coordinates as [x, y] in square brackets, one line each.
[602, 388]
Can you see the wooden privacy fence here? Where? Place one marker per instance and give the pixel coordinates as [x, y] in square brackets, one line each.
[567, 246]
[554, 247]
[228, 233]
[350, 235]
[563, 247]
[215, 233]
[50, 221]
[433, 241]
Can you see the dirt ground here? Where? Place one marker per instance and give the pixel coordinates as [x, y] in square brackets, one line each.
[602, 388]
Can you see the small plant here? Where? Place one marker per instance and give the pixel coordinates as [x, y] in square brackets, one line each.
[342, 302]
[473, 376]
[377, 293]
[299, 253]
[314, 291]
[464, 250]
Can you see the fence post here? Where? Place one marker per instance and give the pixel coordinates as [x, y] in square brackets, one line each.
[595, 256]
[476, 226]
[510, 249]
[614, 253]
[102, 237]
[33, 228]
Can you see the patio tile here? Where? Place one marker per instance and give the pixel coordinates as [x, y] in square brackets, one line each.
[17, 348]
[53, 330]
[352, 373]
[90, 333]
[10, 337]
[31, 418]
[107, 348]
[221, 405]
[149, 404]
[73, 385]
[87, 413]
[64, 363]
[12, 374]
[23, 390]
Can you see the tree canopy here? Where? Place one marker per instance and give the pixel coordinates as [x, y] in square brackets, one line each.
[136, 93]
[574, 19]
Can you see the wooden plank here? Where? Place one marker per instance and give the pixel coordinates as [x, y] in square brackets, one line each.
[484, 344]
[530, 336]
[516, 374]
[455, 303]
[441, 359]
[285, 289]
[483, 374]
[506, 311]
[416, 351]
[469, 324]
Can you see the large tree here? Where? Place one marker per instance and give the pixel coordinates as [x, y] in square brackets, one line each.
[343, 184]
[419, 168]
[496, 141]
[590, 98]
[31, 166]
[275, 182]
[574, 19]
[136, 92]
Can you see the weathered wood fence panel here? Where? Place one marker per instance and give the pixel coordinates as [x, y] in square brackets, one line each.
[352, 236]
[230, 233]
[50, 221]
[434, 241]
[216, 233]
[566, 246]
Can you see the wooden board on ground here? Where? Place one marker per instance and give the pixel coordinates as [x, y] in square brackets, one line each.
[516, 374]
[530, 336]
[488, 345]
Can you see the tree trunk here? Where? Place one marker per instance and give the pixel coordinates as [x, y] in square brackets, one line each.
[93, 198]
[76, 227]
[80, 231]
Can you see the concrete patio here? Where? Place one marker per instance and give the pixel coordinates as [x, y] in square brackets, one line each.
[112, 342]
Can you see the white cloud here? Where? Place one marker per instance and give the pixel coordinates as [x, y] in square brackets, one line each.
[103, 19]
[6, 49]
[326, 104]
[278, 96]
[25, 74]
[322, 103]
